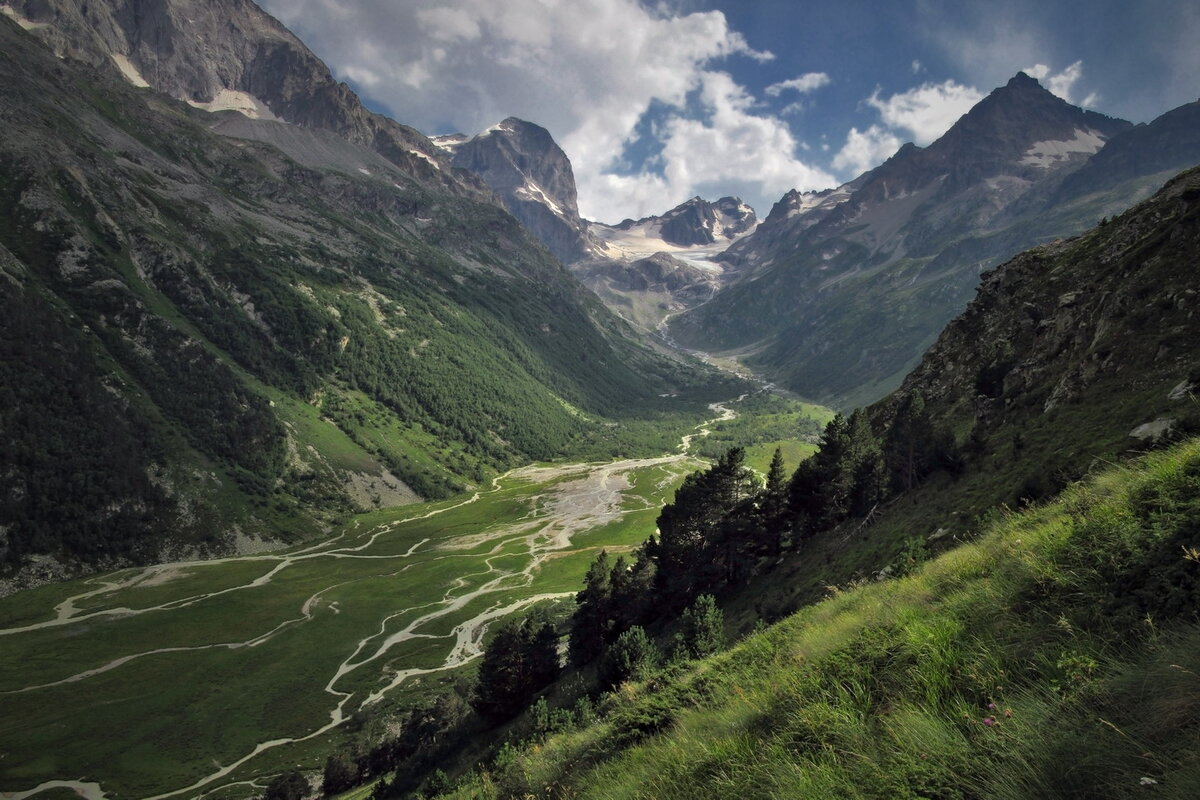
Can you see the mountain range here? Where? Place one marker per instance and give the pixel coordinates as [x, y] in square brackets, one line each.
[836, 293]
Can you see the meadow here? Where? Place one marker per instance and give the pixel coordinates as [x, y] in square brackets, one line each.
[182, 678]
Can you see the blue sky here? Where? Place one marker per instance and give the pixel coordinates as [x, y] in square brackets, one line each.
[656, 102]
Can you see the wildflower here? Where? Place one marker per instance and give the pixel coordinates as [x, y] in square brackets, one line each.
[991, 706]
[989, 721]
[1008, 713]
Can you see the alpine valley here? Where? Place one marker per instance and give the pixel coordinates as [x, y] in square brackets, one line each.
[341, 461]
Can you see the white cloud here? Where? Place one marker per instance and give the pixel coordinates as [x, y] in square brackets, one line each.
[916, 67]
[808, 82]
[865, 149]
[587, 70]
[1062, 83]
[927, 111]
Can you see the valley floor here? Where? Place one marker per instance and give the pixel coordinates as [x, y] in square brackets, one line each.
[191, 678]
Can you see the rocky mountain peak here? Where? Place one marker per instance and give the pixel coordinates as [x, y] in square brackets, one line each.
[525, 167]
[228, 55]
[1016, 117]
[699, 222]
[1021, 79]
[521, 159]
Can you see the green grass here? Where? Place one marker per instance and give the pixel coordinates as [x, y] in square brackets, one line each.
[766, 421]
[1056, 656]
[245, 647]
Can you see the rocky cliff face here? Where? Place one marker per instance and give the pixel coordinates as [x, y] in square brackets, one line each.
[229, 55]
[696, 222]
[841, 291]
[646, 290]
[1075, 349]
[531, 174]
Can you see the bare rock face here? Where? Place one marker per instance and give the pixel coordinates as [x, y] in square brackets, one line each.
[230, 55]
[525, 167]
[660, 273]
[698, 222]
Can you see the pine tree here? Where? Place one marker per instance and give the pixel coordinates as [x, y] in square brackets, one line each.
[291, 785]
[909, 449]
[633, 591]
[688, 526]
[630, 657]
[702, 628]
[519, 662]
[774, 507]
[864, 465]
[620, 589]
[341, 773]
[589, 625]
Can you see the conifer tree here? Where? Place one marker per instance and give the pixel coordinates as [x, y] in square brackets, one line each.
[702, 628]
[590, 623]
[688, 526]
[774, 507]
[630, 657]
[910, 445]
[519, 662]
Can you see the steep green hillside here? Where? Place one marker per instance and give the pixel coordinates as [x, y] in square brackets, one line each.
[1072, 355]
[1054, 657]
[204, 337]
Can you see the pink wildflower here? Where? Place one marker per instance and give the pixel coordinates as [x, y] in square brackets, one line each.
[989, 721]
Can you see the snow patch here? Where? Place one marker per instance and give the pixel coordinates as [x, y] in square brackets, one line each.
[645, 239]
[12, 14]
[1051, 153]
[450, 141]
[534, 193]
[364, 171]
[809, 201]
[427, 157]
[129, 71]
[234, 100]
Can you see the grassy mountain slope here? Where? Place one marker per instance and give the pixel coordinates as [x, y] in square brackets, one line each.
[269, 344]
[1053, 614]
[1056, 656]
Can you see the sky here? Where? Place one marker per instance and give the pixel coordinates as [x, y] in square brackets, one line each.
[658, 101]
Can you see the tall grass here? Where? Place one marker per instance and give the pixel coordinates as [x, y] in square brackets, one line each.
[1057, 656]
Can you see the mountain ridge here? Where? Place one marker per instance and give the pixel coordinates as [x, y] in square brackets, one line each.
[864, 276]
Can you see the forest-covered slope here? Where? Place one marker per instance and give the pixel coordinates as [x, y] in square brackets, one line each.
[205, 340]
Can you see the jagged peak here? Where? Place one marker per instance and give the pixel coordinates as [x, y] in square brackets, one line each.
[1022, 79]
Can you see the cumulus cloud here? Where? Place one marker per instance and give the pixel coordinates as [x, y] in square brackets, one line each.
[927, 111]
[587, 70]
[865, 149]
[808, 82]
[1062, 83]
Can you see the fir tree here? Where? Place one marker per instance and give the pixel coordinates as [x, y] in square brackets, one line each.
[630, 657]
[702, 628]
[519, 662]
[774, 507]
[688, 526]
[590, 623]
